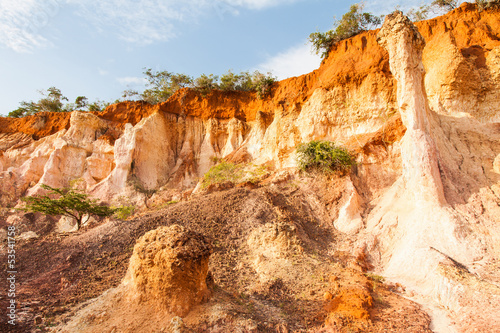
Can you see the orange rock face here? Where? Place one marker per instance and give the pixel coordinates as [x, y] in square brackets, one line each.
[356, 62]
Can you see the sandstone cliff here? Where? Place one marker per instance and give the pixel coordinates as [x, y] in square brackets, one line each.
[418, 104]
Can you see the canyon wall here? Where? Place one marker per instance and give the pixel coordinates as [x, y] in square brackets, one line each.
[418, 104]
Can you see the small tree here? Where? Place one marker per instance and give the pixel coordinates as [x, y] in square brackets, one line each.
[205, 83]
[419, 14]
[71, 203]
[352, 23]
[26, 109]
[98, 106]
[446, 4]
[231, 81]
[81, 102]
[163, 84]
[52, 101]
[262, 83]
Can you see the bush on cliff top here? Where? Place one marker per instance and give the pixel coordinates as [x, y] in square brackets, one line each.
[352, 23]
[323, 156]
[52, 100]
[163, 84]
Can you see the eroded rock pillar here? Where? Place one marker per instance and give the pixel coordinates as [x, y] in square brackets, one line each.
[404, 44]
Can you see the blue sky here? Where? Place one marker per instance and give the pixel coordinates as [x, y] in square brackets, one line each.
[98, 48]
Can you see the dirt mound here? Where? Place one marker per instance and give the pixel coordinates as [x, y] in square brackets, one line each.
[169, 267]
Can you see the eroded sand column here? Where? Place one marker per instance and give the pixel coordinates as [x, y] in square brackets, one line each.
[404, 44]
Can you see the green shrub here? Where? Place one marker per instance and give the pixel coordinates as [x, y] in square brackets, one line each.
[232, 81]
[234, 173]
[162, 85]
[52, 101]
[259, 82]
[323, 156]
[222, 172]
[375, 277]
[123, 212]
[98, 105]
[255, 173]
[206, 83]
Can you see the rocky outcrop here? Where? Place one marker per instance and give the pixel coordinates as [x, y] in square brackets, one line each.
[462, 63]
[81, 154]
[165, 281]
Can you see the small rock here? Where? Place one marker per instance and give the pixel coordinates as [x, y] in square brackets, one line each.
[66, 224]
[38, 320]
[176, 325]
[496, 164]
[28, 235]
[3, 235]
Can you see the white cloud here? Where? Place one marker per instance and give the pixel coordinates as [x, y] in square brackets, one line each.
[140, 22]
[102, 72]
[21, 22]
[135, 21]
[131, 80]
[295, 61]
[148, 21]
[257, 4]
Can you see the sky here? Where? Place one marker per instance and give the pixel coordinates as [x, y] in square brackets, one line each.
[99, 48]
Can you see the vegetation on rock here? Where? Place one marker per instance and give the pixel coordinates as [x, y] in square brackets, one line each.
[323, 156]
[449, 5]
[352, 23]
[446, 4]
[227, 172]
[160, 86]
[124, 212]
[222, 172]
[69, 202]
[356, 21]
[163, 84]
[53, 101]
